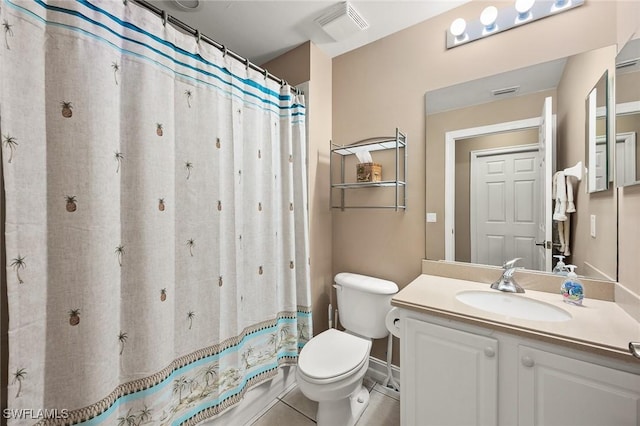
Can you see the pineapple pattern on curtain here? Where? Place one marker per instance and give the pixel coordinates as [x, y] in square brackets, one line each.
[156, 223]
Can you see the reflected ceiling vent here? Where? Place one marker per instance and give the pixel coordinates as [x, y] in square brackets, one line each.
[627, 64]
[342, 21]
[505, 91]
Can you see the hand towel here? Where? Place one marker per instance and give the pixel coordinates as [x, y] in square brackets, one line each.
[571, 207]
[560, 196]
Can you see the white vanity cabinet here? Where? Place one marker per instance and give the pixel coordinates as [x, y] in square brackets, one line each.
[456, 373]
[448, 376]
[559, 390]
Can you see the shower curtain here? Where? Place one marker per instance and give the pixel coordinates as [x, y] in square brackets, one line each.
[156, 223]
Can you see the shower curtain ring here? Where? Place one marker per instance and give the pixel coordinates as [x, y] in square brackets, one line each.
[283, 83]
[266, 74]
[165, 18]
[247, 64]
[224, 51]
[198, 35]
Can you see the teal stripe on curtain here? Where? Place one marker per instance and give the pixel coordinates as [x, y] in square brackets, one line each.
[145, 40]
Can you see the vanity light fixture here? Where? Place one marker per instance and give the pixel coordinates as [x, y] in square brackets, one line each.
[493, 20]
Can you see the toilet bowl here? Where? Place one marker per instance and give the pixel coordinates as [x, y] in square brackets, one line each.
[330, 371]
[332, 364]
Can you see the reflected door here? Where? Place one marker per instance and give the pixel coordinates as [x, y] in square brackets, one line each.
[505, 190]
[546, 166]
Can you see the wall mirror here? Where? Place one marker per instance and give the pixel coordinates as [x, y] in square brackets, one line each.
[596, 139]
[627, 123]
[504, 112]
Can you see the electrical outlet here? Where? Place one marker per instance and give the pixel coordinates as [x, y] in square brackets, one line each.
[593, 226]
[431, 217]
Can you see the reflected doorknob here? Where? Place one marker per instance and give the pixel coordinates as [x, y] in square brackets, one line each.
[545, 244]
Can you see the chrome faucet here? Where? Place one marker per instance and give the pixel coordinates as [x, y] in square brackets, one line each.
[507, 282]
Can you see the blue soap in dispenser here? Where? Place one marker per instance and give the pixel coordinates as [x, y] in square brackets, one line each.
[572, 289]
[560, 268]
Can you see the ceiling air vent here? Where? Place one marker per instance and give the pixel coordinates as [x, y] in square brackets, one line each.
[626, 64]
[342, 21]
[505, 91]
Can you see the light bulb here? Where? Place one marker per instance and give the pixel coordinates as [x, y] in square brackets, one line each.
[458, 28]
[559, 5]
[523, 7]
[488, 18]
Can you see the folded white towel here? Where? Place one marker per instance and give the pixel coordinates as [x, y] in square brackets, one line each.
[571, 207]
[564, 229]
[560, 196]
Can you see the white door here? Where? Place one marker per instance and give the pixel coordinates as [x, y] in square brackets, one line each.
[546, 142]
[504, 196]
[449, 377]
[601, 163]
[557, 390]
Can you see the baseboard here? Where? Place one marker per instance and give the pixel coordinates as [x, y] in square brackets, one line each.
[378, 370]
[257, 401]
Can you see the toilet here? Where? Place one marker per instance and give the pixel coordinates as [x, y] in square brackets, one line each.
[332, 364]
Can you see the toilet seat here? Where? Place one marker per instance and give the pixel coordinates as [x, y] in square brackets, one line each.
[332, 355]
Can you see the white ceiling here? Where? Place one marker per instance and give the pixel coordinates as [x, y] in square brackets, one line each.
[532, 79]
[261, 30]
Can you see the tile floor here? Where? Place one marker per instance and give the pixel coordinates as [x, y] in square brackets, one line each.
[294, 409]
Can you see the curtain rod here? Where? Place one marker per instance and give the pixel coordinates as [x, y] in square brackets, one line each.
[196, 33]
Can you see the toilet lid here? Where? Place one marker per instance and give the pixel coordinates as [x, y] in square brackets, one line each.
[332, 353]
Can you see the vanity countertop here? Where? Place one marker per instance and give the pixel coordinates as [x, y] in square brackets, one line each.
[598, 326]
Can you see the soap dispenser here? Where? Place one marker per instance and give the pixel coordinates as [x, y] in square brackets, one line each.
[560, 268]
[572, 289]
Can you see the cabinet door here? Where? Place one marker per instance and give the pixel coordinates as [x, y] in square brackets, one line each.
[558, 390]
[449, 377]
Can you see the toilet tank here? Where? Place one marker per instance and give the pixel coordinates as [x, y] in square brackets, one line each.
[363, 303]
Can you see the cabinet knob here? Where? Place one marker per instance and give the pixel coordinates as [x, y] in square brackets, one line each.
[489, 352]
[527, 361]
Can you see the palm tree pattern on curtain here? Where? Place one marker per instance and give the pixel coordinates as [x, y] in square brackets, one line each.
[159, 289]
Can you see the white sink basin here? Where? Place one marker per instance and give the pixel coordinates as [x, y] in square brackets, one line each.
[513, 305]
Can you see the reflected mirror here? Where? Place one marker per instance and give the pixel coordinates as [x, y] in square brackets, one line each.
[627, 84]
[500, 117]
[596, 131]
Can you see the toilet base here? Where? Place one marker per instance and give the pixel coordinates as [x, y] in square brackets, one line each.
[345, 411]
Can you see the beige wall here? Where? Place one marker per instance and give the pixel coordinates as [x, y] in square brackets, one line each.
[629, 197]
[308, 63]
[596, 257]
[381, 86]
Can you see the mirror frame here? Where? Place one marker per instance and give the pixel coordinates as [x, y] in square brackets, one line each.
[593, 112]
